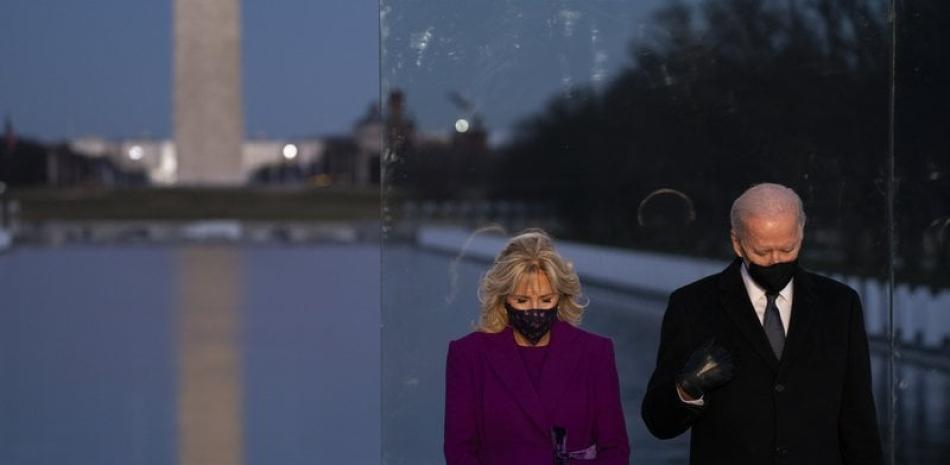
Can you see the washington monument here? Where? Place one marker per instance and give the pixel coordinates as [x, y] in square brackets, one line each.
[208, 116]
[208, 122]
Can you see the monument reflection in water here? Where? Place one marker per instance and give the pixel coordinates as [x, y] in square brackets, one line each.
[210, 354]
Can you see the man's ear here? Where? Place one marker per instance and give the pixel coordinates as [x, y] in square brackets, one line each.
[736, 246]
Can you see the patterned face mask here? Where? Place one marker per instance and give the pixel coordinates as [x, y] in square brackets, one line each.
[533, 324]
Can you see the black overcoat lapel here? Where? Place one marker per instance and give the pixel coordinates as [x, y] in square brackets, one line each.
[802, 318]
[735, 302]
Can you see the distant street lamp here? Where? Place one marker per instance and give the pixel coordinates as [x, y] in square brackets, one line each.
[136, 152]
[289, 151]
[461, 125]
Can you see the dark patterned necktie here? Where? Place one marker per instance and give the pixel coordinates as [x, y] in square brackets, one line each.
[772, 323]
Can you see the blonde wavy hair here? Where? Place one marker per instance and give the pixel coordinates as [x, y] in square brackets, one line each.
[529, 252]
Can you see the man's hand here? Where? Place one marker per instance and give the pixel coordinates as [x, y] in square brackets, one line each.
[708, 367]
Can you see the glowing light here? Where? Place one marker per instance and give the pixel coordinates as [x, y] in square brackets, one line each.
[289, 151]
[461, 125]
[136, 152]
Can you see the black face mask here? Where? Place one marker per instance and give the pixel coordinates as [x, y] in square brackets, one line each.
[533, 324]
[772, 278]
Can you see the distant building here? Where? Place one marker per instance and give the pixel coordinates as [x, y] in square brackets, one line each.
[158, 158]
[352, 159]
[155, 158]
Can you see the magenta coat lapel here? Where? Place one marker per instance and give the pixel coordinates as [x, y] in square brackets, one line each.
[561, 361]
[494, 415]
[505, 362]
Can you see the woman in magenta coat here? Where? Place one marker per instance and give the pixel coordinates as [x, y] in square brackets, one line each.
[529, 387]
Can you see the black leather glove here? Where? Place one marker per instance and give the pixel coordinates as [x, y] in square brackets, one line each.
[708, 367]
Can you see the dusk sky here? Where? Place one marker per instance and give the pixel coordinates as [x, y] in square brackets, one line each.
[507, 59]
[310, 68]
[103, 67]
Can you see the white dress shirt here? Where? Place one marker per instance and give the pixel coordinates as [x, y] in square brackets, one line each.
[759, 301]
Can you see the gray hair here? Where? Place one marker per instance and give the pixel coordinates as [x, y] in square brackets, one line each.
[766, 199]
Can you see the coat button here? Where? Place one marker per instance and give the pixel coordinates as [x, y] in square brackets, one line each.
[779, 388]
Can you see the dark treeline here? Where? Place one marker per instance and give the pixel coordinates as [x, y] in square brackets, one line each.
[728, 93]
[922, 139]
[25, 163]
